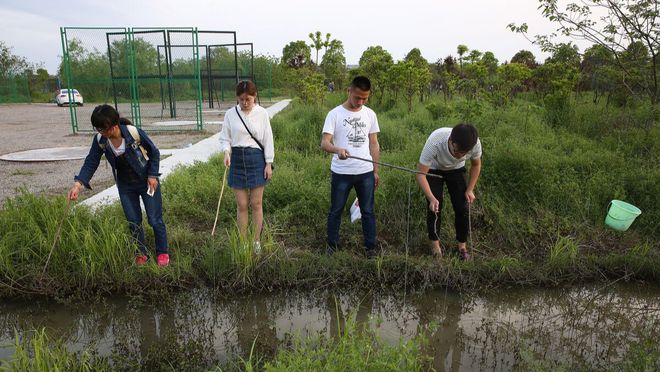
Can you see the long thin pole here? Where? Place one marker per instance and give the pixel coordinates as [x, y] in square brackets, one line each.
[217, 211]
[396, 167]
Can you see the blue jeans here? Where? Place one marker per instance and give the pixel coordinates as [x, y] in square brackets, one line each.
[341, 186]
[129, 195]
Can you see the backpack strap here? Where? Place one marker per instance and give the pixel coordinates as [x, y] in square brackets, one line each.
[98, 141]
[134, 133]
[132, 129]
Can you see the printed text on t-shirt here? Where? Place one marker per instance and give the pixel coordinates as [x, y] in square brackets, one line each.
[356, 137]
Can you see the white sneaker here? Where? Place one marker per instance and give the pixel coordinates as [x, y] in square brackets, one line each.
[257, 247]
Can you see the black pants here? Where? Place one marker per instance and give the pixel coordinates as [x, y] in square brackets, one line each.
[456, 185]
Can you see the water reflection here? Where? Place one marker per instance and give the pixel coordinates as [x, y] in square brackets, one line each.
[587, 325]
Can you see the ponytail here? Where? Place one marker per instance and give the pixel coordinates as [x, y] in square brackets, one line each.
[124, 121]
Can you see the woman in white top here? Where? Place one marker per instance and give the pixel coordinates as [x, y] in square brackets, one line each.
[247, 142]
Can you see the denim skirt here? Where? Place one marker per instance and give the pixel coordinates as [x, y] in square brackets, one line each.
[247, 168]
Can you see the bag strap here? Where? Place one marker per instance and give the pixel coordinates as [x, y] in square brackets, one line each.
[98, 141]
[132, 129]
[248, 129]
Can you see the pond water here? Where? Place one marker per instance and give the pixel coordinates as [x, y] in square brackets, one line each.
[588, 325]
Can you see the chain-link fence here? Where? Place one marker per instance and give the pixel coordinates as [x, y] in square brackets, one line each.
[14, 89]
[163, 79]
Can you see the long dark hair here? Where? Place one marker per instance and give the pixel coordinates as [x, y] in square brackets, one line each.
[105, 116]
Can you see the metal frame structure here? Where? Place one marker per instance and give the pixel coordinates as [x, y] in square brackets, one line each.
[166, 79]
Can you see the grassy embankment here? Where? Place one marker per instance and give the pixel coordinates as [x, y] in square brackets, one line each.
[538, 220]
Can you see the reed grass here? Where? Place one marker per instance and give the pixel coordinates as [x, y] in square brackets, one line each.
[38, 352]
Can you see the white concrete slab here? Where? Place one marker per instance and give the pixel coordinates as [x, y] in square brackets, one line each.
[48, 154]
[172, 123]
[181, 123]
[200, 151]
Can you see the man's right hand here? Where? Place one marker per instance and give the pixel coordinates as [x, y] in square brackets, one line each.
[343, 154]
[75, 190]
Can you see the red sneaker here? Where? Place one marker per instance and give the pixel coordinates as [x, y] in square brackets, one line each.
[163, 259]
[141, 260]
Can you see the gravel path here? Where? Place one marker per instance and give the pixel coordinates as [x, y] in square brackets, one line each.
[35, 126]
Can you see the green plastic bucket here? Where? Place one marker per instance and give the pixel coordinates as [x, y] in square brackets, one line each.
[621, 215]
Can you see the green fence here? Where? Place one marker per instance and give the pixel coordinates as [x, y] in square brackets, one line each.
[14, 89]
[163, 79]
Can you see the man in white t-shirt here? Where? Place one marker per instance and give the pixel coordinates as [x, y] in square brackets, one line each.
[444, 154]
[351, 130]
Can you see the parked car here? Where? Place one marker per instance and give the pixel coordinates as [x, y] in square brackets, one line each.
[62, 97]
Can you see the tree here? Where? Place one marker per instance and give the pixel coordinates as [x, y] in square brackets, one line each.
[10, 64]
[445, 76]
[41, 85]
[625, 22]
[597, 69]
[395, 78]
[525, 57]
[422, 74]
[475, 75]
[334, 63]
[565, 53]
[461, 49]
[512, 77]
[91, 68]
[318, 43]
[635, 60]
[374, 63]
[474, 56]
[296, 54]
[310, 87]
[145, 57]
[553, 76]
[490, 62]
[406, 76]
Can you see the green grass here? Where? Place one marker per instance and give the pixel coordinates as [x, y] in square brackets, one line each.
[538, 218]
[22, 172]
[38, 352]
[354, 349]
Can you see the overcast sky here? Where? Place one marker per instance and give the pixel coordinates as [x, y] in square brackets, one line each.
[436, 27]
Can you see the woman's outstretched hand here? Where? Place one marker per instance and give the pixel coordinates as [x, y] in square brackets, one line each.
[74, 191]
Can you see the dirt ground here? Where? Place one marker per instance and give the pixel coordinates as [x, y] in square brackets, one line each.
[36, 126]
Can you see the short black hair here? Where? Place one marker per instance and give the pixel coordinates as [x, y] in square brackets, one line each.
[362, 83]
[465, 136]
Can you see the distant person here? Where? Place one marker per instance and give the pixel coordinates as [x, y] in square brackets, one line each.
[135, 160]
[247, 142]
[352, 129]
[331, 86]
[444, 154]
